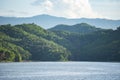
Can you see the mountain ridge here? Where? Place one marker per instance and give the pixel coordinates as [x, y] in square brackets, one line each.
[48, 21]
[82, 28]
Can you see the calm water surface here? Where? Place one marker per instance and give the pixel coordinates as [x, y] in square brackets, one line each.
[60, 71]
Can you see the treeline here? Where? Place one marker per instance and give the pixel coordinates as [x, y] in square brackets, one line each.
[31, 42]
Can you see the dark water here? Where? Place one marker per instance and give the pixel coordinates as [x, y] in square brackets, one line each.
[60, 71]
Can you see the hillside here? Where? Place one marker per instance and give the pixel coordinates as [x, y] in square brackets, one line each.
[82, 28]
[48, 21]
[30, 38]
[31, 42]
[97, 46]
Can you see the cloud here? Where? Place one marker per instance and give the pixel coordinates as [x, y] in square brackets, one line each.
[48, 5]
[43, 4]
[66, 8]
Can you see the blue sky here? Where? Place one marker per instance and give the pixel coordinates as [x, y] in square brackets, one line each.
[64, 8]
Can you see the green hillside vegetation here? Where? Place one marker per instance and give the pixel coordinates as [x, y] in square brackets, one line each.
[97, 46]
[26, 42]
[82, 28]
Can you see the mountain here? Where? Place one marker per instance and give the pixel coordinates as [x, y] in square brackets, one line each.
[47, 21]
[82, 28]
[24, 42]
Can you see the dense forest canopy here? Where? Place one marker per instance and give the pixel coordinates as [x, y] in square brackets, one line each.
[80, 42]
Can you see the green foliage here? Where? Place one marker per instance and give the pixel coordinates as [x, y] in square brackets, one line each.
[17, 50]
[31, 42]
[6, 55]
[18, 58]
[102, 45]
[83, 42]
[82, 28]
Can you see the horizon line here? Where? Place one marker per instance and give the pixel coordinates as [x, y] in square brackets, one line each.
[56, 16]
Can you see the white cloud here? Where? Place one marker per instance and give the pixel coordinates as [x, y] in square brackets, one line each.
[66, 8]
[47, 5]
[62, 8]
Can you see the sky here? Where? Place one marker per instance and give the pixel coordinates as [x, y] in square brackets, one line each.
[109, 9]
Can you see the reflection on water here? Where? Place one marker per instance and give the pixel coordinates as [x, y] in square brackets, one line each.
[60, 71]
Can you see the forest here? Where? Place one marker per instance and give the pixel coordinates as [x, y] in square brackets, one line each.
[79, 42]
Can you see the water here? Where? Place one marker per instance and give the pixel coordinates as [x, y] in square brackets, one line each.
[60, 71]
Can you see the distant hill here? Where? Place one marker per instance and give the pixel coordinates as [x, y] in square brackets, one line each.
[82, 28]
[47, 21]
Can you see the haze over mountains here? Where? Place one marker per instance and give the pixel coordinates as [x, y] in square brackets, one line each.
[47, 21]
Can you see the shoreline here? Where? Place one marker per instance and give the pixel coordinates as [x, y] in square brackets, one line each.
[64, 61]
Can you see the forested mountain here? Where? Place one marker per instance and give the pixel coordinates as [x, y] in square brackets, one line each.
[82, 28]
[31, 42]
[98, 46]
[48, 21]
